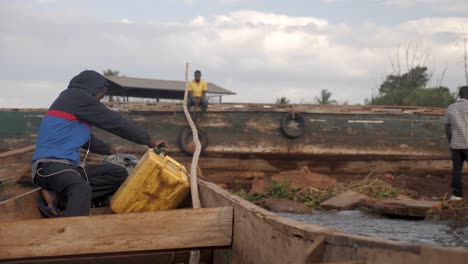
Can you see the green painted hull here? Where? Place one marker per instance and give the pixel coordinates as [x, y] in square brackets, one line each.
[256, 130]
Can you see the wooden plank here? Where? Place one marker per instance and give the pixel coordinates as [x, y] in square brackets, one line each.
[164, 230]
[24, 207]
[137, 258]
[21, 207]
[281, 242]
[284, 240]
[17, 151]
[314, 254]
[345, 262]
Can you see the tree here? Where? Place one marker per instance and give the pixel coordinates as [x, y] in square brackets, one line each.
[409, 82]
[324, 97]
[110, 72]
[282, 100]
[415, 78]
[410, 89]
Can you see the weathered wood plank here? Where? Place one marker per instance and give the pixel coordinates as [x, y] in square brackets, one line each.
[21, 207]
[283, 240]
[345, 262]
[17, 151]
[315, 252]
[287, 241]
[164, 230]
[137, 258]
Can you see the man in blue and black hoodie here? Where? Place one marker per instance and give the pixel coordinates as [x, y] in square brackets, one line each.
[65, 128]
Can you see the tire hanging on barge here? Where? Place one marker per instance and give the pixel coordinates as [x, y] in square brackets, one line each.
[185, 140]
[293, 125]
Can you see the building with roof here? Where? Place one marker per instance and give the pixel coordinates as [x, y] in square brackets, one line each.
[127, 87]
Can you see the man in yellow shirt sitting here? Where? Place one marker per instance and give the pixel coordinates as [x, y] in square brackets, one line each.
[197, 92]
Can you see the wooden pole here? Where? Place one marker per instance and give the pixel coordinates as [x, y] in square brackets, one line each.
[194, 255]
[17, 151]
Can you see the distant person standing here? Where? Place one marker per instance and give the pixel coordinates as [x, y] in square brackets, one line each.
[197, 92]
[456, 128]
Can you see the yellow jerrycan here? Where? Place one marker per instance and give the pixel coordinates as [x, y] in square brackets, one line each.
[157, 183]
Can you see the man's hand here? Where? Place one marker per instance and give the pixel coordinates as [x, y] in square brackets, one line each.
[161, 143]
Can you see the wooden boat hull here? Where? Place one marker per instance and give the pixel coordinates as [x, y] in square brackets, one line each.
[258, 236]
[156, 237]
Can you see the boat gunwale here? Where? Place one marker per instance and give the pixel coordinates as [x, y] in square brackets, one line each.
[310, 232]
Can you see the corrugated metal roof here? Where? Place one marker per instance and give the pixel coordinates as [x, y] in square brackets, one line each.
[164, 85]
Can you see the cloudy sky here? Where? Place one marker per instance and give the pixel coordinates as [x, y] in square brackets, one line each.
[261, 49]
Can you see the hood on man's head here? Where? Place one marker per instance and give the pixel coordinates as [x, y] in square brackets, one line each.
[88, 80]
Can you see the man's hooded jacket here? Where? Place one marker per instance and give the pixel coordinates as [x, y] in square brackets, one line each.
[66, 127]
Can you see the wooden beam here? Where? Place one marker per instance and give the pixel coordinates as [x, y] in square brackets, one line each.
[346, 262]
[138, 258]
[124, 233]
[315, 252]
[17, 151]
[21, 207]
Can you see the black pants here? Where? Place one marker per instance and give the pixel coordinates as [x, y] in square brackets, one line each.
[459, 156]
[203, 103]
[70, 183]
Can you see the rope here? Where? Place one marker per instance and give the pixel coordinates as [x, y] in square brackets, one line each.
[194, 254]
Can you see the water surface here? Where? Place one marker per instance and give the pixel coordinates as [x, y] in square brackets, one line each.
[444, 233]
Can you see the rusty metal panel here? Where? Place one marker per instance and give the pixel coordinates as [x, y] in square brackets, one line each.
[259, 132]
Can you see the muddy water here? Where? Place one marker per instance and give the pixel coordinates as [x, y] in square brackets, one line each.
[412, 231]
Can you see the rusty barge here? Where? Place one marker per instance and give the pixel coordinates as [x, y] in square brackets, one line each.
[255, 136]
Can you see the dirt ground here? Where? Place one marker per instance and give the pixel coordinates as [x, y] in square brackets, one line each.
[434, 186]
[423, 186]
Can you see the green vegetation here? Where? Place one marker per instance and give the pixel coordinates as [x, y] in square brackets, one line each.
[374, 185]
[410, 89]
[110, 72]
[325, 98]
[283, 100]
[309, 196]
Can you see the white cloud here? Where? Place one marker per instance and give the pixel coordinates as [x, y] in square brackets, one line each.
[442, 5]
[126, 21]
[260, 56]
[46, 1]
[255, 18]
[198, 21]
[29, 93]
[230, 1]
[188, 2]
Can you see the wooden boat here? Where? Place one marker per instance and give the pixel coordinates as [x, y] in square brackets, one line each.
[14, 168]
[227, 230]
